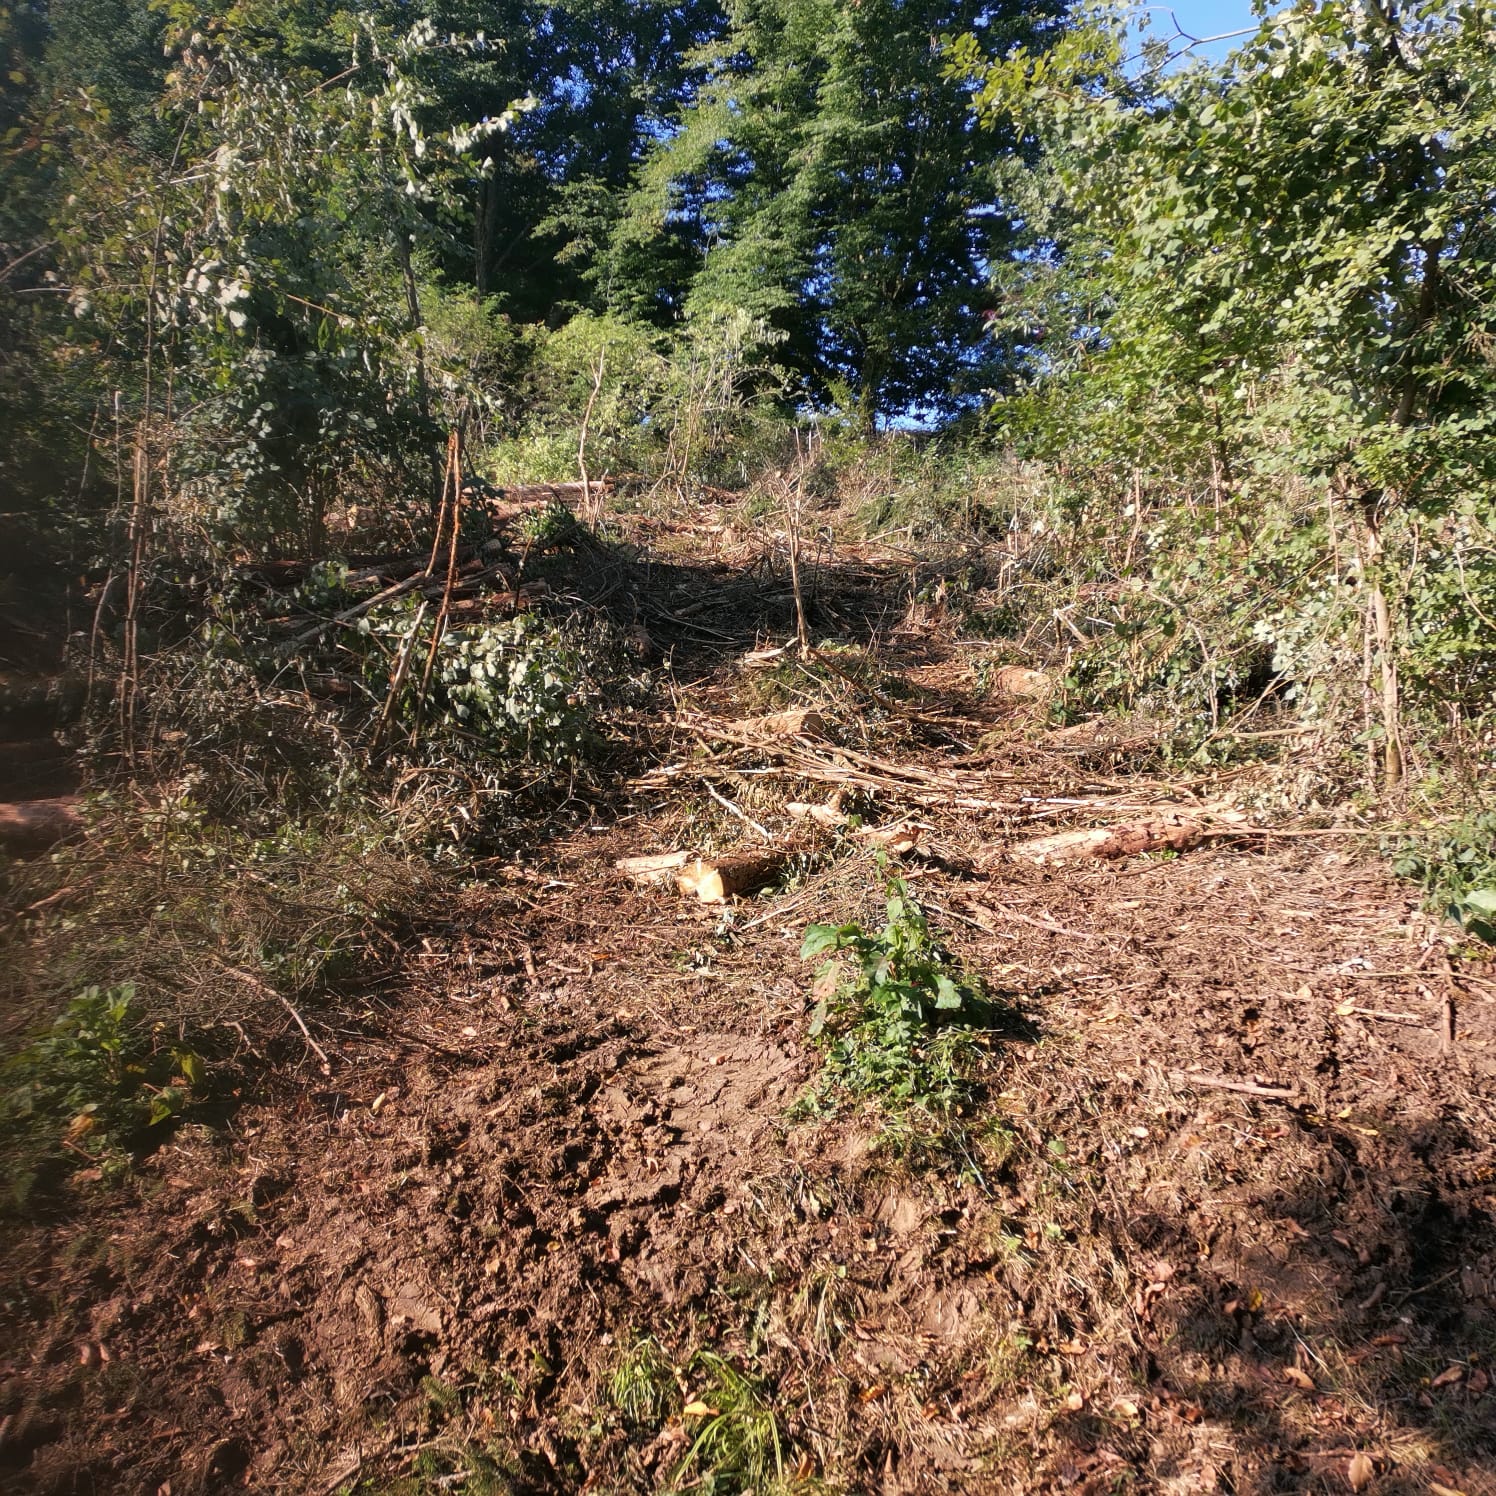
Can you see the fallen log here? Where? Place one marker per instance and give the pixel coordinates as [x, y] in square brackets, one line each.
[544, 493]
[656, 867]
[718, 879]
[1157, 834]
[801, 722]
[36, 825]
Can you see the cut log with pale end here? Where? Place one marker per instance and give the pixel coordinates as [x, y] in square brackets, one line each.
[35, 825]
[1158, 834]
[717, 879]
[830, 814]
[1019, 680]
[655, 868]
[802, 722]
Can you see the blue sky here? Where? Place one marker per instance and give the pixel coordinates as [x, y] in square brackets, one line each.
[1204, 18]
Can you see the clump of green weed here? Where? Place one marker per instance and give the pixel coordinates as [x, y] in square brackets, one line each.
[900, 1024]
[1456, 866]
[735, 1443]
[555, 525]
[642, 1382]
[91, 1087]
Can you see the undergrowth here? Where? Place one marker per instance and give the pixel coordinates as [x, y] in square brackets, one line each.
[897, 1017]
[91, 1089]
[736, 1446]
[1455, 865]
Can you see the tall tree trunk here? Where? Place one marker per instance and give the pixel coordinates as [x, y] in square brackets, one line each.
[423, 392]
[485, 225]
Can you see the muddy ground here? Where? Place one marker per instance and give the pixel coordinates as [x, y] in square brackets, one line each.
[1222, 1219]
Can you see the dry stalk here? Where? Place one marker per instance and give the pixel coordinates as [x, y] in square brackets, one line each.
[591, 514]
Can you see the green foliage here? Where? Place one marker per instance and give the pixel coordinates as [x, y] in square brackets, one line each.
[1268, 279]
[626, 364]
[552, 526]
[1306, 215]
[242, 299]
[522, 691]
[94, 1085]
[824, 180]
[736, 1447]
[642, 1383]
[678, 407]
[1456, 866]
[900, 1026]
[521, 687]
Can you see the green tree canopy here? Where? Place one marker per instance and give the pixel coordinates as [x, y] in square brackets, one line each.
[827, 178]
[1317, 210]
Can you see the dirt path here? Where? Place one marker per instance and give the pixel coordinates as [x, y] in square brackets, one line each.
[570, 1140]
[1223, 1216]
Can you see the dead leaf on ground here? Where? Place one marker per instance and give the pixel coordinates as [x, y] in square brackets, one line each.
[1449, 1376]
[1299, 1378]
[1359, 1472]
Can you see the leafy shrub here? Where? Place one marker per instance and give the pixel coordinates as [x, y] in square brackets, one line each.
[901, 1023]
[551, 526]
[93, 1084]
[1457, 869]
[523, 686]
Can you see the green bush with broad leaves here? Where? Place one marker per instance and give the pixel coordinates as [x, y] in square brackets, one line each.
[1457, 867]
[894, 1011]
[523, 686]
[1276, 273]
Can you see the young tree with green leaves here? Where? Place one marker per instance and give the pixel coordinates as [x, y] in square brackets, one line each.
[1288, 260]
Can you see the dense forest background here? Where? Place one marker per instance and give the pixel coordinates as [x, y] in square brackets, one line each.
[1175, 377]
[1236, 318]
[745, 745]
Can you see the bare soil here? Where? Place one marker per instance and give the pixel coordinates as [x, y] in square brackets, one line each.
[566, 1128]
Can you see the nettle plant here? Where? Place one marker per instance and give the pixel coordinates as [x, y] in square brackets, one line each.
[894, 1010]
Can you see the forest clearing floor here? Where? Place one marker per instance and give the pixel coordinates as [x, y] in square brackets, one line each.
[1221, 1216]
